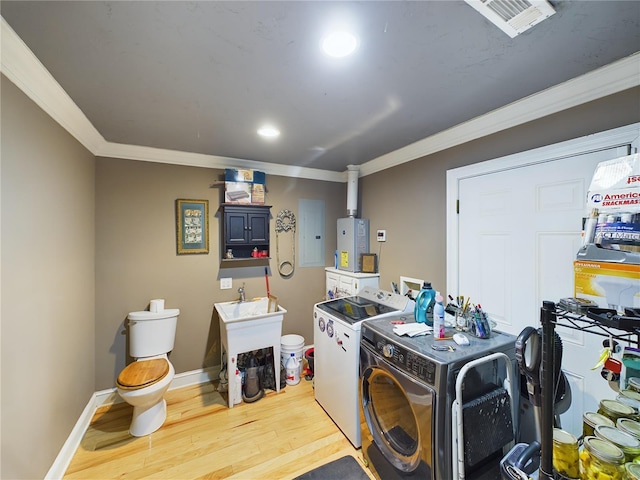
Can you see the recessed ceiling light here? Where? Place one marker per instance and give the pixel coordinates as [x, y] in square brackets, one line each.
[268, 132]
[339, 44]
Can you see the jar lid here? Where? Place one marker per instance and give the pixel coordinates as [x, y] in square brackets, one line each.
[562, 436]
[604, 450]
[629, 426]
[617, 437]
[634, 382]
[633, 470]
[630, 394]
[616, 407]
[593, 419]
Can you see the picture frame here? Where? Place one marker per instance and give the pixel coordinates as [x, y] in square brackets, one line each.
[369, 263]
[192, 226]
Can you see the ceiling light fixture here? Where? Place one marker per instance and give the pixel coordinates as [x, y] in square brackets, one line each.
[268, 132]
[339, 44]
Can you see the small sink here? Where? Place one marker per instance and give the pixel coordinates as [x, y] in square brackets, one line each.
[249, 310]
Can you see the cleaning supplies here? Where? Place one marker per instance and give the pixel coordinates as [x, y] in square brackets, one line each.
[438, 317]
[423, 310]
[237, 396]
[236, 393]
[293, 370]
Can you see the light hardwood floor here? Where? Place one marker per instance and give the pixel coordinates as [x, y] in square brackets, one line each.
[280, 436]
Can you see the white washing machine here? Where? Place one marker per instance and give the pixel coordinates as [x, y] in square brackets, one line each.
[336, 343]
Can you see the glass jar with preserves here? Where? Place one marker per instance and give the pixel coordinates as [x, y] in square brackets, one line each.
[613, 410]
[565, 454]
[633, 383]
[631, 398]
[590, 420]
[631, 471]
[626, 442]
[600, 459]
[630, 426]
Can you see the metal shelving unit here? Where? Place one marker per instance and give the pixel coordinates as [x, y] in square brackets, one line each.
[597, 321]
[600, 323]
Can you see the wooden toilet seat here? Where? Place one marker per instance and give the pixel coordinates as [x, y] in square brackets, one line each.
[142, 374]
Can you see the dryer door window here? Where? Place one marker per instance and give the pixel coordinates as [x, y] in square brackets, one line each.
[401, 432]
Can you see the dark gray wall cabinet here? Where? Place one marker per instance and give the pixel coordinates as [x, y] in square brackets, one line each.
[245, 230]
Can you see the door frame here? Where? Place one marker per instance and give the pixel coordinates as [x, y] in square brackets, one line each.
[629, 134]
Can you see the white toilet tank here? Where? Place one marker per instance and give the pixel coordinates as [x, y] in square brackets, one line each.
[152, 334]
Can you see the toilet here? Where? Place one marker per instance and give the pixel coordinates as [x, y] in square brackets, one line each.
[144, 382]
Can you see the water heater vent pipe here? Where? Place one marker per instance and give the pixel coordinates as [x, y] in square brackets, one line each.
[353, 172]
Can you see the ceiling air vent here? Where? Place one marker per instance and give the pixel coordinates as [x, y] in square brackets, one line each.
[513, 16]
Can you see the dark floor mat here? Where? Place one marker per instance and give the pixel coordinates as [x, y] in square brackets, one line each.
[345, 468]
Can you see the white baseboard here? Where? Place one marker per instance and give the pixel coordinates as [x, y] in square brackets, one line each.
[111, 397]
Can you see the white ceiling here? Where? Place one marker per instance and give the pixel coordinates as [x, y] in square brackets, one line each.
[200, 77]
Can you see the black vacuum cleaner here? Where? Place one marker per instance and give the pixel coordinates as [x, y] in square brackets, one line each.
[524, 460]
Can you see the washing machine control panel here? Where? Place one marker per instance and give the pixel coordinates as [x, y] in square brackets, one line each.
[407, 361]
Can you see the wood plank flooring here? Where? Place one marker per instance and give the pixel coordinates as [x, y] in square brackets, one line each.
[280, 436]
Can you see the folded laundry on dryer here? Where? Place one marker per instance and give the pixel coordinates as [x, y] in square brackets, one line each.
[412, 329]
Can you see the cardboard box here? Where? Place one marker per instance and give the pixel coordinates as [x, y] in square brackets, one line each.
[615, 186]
[257, 193]
[610, 285]
[244, 186]
[237, 192]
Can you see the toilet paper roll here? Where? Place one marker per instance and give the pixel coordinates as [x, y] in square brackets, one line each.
[157, 305]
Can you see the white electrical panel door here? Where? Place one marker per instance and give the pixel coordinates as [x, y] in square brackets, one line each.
[311, 233]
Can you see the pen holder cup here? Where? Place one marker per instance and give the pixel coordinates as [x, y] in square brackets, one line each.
[479, 324]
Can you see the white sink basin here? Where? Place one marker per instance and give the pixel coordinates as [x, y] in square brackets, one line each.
[249, 310]
[248, 326]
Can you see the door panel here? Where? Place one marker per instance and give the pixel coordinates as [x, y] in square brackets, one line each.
[519, 230]
[236, 228]
[258, 227]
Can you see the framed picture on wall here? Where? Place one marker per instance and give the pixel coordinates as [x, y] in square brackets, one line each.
[192, 226]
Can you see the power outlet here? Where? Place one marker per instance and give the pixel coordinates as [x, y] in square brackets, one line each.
[382, 236]
[225, 283]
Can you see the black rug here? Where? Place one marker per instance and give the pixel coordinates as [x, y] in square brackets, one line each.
[345, 468]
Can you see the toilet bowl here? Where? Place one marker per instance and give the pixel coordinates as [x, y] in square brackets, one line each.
[142, 384]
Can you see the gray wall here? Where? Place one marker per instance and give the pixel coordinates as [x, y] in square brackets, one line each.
[136, 259]
[48, 252]
[60, 342]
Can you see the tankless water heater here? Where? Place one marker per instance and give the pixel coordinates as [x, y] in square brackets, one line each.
[353, 241]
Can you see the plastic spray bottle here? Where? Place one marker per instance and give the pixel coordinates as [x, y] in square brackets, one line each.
[237, 394]
[423, 310]
[438, 317]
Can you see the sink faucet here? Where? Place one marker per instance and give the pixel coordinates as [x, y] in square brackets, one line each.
[241, 292]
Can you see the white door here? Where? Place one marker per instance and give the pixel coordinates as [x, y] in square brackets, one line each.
[517, 235]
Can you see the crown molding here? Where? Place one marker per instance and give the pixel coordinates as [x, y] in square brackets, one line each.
[176, 157]
[20, 65]
[613, 78]
[23, 68]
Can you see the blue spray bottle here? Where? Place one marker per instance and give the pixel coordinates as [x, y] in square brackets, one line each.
[425, 300]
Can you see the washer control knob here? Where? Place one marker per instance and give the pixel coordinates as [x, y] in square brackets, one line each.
[387, 350]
